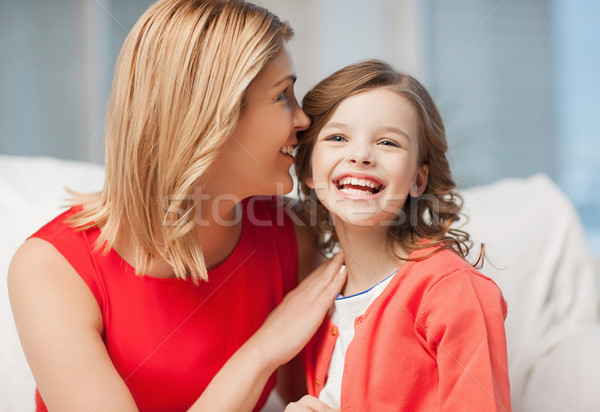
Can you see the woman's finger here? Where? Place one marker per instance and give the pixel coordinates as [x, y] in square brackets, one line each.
[309, 404]
[291, 324]
[326, 270]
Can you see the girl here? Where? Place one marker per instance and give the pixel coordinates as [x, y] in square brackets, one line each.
[416, 327]
[151, 294]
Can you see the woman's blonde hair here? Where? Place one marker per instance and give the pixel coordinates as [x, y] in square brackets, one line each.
[426, 220]
[177, 95]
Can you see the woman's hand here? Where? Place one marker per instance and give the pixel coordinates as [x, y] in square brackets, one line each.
[309, 404]
[291, 325]
[283, 334]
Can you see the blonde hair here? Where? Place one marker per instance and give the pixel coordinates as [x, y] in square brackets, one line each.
[177, 95]
[431, 214]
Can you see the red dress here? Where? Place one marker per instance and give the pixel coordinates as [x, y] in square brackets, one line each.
[167, 337]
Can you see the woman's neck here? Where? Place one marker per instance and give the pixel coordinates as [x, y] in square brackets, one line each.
[367, 255]
[218, 225]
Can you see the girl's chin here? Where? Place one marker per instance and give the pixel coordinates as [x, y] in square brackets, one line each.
[365, 223]
[371, 217]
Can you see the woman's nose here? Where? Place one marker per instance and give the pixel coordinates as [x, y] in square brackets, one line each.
[301, 119]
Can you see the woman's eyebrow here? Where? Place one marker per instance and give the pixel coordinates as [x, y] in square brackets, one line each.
[291, 77]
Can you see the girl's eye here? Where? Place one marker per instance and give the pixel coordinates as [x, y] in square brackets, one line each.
[388, 142]
[282, 96]
[336, 138]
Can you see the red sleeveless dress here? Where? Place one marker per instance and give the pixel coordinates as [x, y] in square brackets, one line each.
[167, 337]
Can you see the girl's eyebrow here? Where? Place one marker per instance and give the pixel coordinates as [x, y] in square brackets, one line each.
[336, 125]
[393, 129]
[382, 129]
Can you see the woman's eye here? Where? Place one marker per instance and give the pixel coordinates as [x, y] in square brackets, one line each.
[282, 96]
[336, 138]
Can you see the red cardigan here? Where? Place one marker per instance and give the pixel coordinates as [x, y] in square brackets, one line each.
[433, 340]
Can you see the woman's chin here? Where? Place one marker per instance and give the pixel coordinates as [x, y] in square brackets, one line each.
[284, 185]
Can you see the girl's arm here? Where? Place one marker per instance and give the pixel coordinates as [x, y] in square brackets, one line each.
[60, 325]
[464, 326]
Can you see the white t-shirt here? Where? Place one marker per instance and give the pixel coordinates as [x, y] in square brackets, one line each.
[343, 313]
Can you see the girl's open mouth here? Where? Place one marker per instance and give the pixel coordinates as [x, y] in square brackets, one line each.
[356, 187]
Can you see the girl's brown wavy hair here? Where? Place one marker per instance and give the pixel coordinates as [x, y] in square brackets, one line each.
[426, 221]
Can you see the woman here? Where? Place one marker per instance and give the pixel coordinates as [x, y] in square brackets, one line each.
[151, 293]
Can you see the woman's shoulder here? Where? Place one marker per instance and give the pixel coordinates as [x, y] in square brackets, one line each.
[38, 267]
[57, 226]
[39, 248]
[58, 248]
[52, 307]
[35, 259]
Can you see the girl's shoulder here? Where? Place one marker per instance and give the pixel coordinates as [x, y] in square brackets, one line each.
[444, 266]
[448, 276]
[441, 260]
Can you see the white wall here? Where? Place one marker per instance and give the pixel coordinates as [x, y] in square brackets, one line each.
[517, 81]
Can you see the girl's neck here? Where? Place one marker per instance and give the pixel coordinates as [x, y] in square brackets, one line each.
[367, 255]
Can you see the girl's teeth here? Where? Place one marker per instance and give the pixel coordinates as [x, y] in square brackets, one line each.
[356, 192]
[358, 182]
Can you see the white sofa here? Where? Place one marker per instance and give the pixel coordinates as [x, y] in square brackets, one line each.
[533, 238]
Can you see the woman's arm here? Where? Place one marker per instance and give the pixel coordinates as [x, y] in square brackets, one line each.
[285, 332]
[291, 382]
[60, 327]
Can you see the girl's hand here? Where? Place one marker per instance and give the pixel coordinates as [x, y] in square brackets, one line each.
[309, 404]
[291, 324]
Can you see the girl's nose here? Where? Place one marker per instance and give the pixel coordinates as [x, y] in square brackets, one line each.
[361, 156]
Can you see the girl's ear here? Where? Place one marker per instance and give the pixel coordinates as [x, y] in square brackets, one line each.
[420, 183]
[309, 182]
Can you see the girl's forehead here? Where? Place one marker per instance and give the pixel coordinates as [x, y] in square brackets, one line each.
[374, 108]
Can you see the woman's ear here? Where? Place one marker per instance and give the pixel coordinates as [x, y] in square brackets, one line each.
[419, 184]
